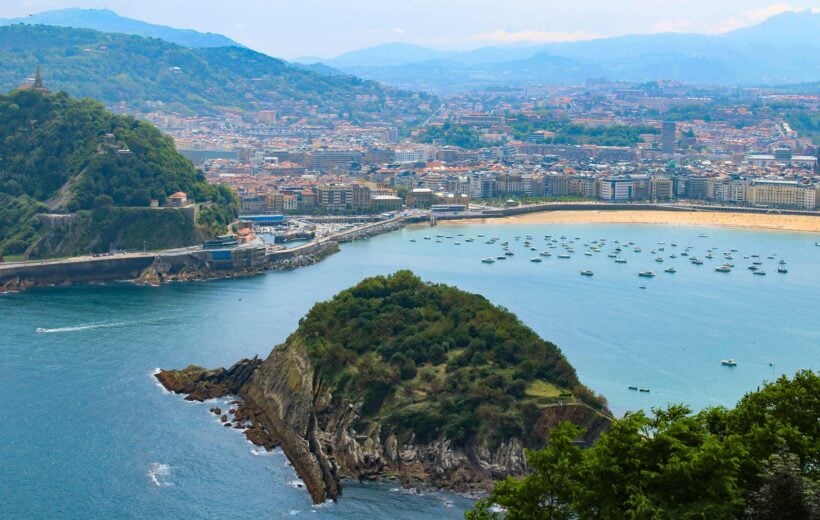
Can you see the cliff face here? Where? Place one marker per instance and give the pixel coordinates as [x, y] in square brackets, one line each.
[408, 380]
[283, 405]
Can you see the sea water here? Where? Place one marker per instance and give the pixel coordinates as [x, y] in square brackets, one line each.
[88, 433]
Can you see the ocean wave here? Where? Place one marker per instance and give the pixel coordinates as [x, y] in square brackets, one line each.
[77, 328]
[158, 473]
[156, 381]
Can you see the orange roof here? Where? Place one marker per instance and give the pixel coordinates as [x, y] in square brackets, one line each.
[178, 195]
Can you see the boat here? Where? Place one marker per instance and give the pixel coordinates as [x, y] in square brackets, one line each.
[646, 390]
[685, 253]
[611, 255]
[729, 362]
[723, 269]
[457, 243]
[426, 238]
[588, 253]
[709, 256]
[412, 240]
[760, 273]
[637, 249]
[782, 270]
[632, 387]
[642, 287]
[658, 259]
[646, 274]
[587, 272]
[673, 256]
[670, 269]
[564, 256]
[545, 253]
[697, 261]
[620, 260]
[469, 240]
[782, 262]
[757, 263]
[753, 268]
[487, 260]
[501, 258]
[535, 259]
[509, 253]
[703, 236]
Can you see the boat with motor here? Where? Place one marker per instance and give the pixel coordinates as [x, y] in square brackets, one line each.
[488, 260]
[729, 362]
[646, 274]
[587, 272]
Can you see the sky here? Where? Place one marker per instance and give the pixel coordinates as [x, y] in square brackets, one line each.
[328, 28]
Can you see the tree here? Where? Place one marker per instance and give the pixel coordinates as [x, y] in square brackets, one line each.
[784, 493]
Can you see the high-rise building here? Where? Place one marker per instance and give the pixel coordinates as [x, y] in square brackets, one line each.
[668, 138]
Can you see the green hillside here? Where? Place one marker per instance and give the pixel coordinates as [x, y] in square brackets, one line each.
[144, 72]
[63, 155]
[431, 360]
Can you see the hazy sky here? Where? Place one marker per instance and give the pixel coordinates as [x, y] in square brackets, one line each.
[326, 28]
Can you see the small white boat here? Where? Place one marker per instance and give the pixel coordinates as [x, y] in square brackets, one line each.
[729, 362]
[535, 259]
[587, 272]
[487, 260]
[670, 269]
[646, 274]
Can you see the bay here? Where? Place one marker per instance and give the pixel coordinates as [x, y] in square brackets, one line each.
[87, 433]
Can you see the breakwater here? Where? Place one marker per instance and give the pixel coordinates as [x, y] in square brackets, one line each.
[157, 268]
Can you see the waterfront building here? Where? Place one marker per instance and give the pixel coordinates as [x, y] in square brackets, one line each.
[781, 194]
[616, 189]
[419, 198]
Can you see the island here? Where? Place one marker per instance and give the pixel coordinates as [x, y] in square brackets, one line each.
[399, 378]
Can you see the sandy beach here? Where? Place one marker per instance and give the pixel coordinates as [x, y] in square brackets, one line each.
[804, 223]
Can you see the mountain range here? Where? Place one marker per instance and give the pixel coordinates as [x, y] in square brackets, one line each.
[783, 49]
[105, 20]
[142, 74]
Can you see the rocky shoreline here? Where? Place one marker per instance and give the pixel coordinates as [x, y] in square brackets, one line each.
[160, 272]
[280, 404]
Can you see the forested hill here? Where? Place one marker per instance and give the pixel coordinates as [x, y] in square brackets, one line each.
[434, 361]
[59, 154]
[144, 72]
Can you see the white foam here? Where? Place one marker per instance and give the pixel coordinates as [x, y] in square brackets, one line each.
[298, 484]
[158, 473]
[156, 381]
[77, 328]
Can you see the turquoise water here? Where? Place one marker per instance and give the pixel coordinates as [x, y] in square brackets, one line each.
[88, 434]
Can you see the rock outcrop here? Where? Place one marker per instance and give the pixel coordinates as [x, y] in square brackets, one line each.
[283, 405]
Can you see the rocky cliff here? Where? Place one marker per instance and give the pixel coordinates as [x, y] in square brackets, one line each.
[330, 433]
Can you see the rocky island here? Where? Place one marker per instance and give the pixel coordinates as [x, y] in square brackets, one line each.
[398, 378]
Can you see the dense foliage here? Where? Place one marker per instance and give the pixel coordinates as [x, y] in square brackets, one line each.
[451, 135]
[521, 128]
[760, 460]
[64, 155]
[145, 73]
[432, 360]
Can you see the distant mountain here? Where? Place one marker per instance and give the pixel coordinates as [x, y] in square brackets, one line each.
[145, 73]
[105, 20]
[387, 54]
[783, 49]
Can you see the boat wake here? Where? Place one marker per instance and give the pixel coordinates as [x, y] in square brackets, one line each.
[77, 328]
[159, 473]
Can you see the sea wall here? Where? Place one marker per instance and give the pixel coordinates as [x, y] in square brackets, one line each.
[153, 269]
